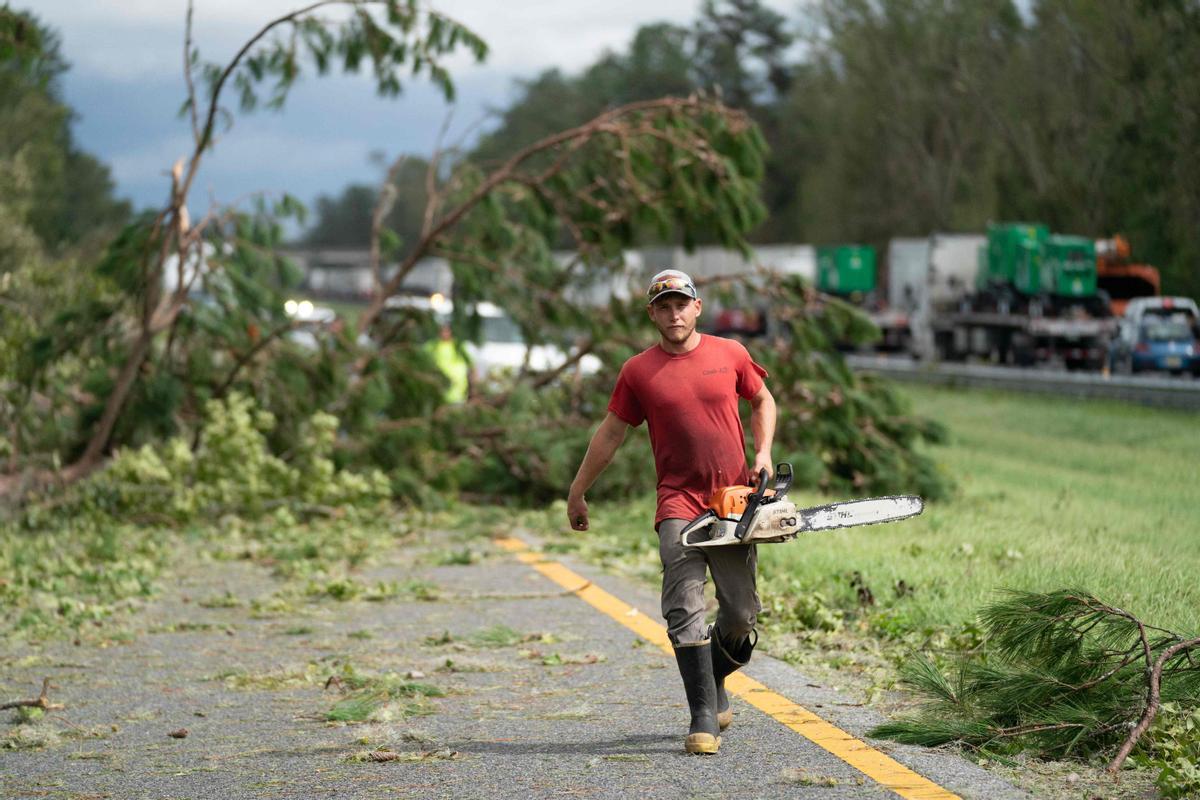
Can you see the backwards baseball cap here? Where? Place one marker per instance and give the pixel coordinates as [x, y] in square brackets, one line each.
[671, 280]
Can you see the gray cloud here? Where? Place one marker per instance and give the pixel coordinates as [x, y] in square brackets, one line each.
[122, 39]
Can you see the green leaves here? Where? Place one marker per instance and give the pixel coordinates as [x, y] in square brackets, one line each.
[1173, 749]
[233, 471]
[682, 168]
[655, 169]
[390, 35]
[128, 258]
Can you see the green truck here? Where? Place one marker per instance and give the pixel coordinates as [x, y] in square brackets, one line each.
[1069, 267]
[1035, 300]
[846, 269]
[1014, 257]
[1027, 258]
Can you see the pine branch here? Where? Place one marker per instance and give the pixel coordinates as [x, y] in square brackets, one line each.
[1064, 674]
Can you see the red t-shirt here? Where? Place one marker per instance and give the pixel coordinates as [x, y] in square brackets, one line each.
[690, 404]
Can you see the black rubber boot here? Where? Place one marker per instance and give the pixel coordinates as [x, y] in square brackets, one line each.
[696, 669]
[727, 658]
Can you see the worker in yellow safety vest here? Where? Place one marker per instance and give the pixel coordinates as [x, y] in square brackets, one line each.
[453, 363]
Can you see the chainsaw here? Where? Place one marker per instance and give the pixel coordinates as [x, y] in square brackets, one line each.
[749, 515]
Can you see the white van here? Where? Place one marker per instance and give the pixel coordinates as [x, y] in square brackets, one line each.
[501, 346]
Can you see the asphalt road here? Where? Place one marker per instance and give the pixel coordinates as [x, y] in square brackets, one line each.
[575, 705]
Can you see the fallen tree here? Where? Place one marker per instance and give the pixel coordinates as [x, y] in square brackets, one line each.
[145, 355]
[180, 313]
[136, 305]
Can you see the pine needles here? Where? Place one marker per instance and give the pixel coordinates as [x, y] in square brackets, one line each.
[1064, 675]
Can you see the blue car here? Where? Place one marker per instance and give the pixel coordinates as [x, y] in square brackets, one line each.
[1164, 344]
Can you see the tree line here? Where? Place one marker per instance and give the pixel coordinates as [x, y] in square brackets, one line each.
[54, 196]
[911, 116]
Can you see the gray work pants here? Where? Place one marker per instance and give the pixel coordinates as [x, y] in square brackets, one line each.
[684, 573]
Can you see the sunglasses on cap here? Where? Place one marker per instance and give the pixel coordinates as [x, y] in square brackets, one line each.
[671, 285]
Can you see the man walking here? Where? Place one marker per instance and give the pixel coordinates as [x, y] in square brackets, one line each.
[686, 388]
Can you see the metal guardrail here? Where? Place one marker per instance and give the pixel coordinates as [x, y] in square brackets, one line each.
[1183, 392]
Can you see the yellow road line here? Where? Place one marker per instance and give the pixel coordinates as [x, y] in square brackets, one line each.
[877, 766]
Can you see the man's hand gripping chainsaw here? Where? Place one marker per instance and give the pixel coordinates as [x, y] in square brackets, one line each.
[747, 515]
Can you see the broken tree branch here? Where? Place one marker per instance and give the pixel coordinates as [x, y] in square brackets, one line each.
[383, 207]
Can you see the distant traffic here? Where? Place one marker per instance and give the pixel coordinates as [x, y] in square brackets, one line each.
[1020, 296]
[1015, 295]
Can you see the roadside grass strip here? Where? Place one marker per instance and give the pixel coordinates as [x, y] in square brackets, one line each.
[877, 766]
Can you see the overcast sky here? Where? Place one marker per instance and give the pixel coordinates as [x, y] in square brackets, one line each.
[126, 85]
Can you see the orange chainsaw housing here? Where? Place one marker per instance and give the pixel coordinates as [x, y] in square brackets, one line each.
[730, 501]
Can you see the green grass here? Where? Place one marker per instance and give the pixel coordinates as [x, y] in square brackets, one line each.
[1051, 493]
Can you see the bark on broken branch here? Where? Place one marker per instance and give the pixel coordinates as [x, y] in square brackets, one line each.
[1153, 689]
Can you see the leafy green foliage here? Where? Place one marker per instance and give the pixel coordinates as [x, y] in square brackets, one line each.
[74, 570]
[1063, 675]
[523, 437]
[78, 339]
[958, 146]
[233, 471]
[687, 167]
[903, 118]
[56, 205]
[736, 50]
[789, 604]
[1172, 748]
[123, 362]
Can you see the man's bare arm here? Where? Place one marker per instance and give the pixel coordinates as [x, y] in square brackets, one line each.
[762, 427]
[600, 452]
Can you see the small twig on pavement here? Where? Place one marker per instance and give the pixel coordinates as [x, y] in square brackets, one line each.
[41, 701]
